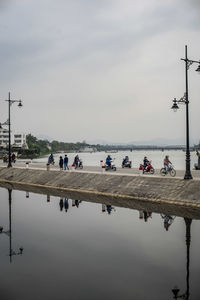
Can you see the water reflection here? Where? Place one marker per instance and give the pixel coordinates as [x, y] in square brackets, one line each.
[9, 231]
[66, 204]
[168, 220]
[99, 247]
[176, 290]
[145, 215]
[61, 204]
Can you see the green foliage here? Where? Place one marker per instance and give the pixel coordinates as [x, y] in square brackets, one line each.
[38, 147]
[42, 147]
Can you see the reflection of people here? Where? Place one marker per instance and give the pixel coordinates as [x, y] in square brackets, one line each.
[77, 203]
[109, 208]
[66, 204]
[103, 207]
[147, 214]
[168, 220]
[61, 204]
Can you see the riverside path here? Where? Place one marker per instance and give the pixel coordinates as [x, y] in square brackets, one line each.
[97, 169]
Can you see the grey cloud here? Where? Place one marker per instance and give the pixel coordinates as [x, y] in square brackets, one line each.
[95, 55]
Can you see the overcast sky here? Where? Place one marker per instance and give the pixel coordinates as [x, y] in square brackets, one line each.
[99, 69]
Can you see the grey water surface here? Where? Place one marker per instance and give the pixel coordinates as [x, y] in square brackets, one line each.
[80, 250]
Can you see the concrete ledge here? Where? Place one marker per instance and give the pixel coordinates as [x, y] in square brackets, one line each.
[152, 190]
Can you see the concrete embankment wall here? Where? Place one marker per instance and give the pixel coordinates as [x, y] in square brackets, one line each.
[145, 188]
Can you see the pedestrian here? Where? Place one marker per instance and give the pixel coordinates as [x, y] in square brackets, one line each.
[66, 162]
[198, 155]
[61, 163]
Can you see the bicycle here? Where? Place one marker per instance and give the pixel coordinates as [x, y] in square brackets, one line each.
[171, 171]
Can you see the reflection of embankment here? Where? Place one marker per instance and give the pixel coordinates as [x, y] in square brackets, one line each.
[158, 206]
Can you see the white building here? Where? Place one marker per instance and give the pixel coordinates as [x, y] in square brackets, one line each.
[4, 137]
[20, 140]
[17, 140]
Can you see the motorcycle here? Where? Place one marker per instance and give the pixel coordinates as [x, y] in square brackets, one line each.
[110, 167]
[149, 168]
[79, 165]
[126, 164]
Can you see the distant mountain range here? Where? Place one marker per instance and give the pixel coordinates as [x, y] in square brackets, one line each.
[153, 142]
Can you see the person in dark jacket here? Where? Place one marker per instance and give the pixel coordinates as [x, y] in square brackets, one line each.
[66, 162]
[76, 160]
[61, 163]
[145, 162]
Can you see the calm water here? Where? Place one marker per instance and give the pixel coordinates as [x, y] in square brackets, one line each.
[77, 251]
[93, 159]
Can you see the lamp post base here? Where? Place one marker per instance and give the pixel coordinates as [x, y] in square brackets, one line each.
[188, 175]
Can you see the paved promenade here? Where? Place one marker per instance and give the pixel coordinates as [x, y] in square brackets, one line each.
[98, 169]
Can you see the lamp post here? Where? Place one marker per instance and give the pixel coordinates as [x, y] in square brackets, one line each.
[185, 100]
[10, 102]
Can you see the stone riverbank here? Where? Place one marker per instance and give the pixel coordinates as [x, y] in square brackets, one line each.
[139, 192]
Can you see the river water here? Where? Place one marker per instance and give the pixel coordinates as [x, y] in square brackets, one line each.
[80, 250]
[177, 157]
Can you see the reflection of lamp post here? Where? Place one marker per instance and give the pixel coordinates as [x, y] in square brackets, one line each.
[10, 102]
[184, 99]
[176, 290]
[9, 232]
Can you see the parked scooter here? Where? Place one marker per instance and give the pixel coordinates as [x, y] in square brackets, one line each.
[110, 167]
[149, 168]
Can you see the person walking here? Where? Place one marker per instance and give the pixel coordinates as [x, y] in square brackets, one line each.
[66, 162]
[198, 155]
[61, 163]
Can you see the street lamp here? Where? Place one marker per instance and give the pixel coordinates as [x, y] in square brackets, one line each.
[10, 102]
[184, 100]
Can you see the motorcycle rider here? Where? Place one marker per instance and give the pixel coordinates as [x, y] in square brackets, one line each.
[145, 162]
[51, 159]
[125, 160]
[108, 160]
[167, 163]
[76, 160]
